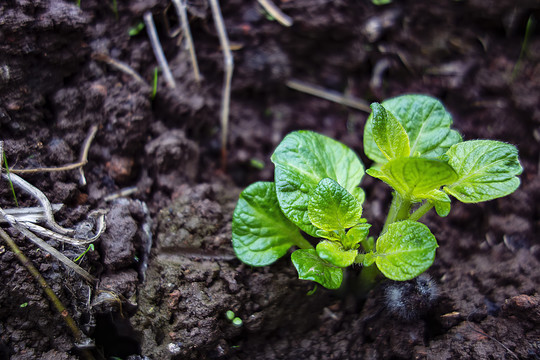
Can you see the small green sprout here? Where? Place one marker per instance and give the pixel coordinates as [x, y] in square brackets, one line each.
[89, 248]
[135, 30]
[114, 8]
[229, 315]
[9, 179]
[23, 305]
[257, 164]
[316, 192]
[235, 320]
[529, 29]
[155, 83]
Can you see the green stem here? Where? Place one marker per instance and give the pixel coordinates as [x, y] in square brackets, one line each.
[301, 242]
[367, 279]
[399, 210]
[421, 211]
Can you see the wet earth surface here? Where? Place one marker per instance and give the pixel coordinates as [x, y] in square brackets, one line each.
[166, 272]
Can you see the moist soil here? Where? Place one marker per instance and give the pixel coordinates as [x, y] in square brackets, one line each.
[166, 270]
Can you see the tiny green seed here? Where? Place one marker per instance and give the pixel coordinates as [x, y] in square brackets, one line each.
[237, 321]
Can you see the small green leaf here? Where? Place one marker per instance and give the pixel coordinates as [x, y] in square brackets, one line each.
[355, 236]
[441, 201]
[406, 250]
[426, 122]
[487, 170]
[302, 160]
[261, 234]
[230, 314]
[330, 235]
[415, 178]
[389, 135]
[335, 254]
[368, 259]
[331, 207]
[311, 267]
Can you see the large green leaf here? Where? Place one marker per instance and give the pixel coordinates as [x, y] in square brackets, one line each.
[414, 178]
[426, 122]
[302, 160]
[487, 170]
[261, 234]
[311, 267]
[389, 135]
[334, 253]
[406, 250]
[331, 207]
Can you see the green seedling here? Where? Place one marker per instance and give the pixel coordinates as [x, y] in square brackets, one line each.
[89, 248]
[135, 30]
[9, 179]
[257, 164]
[316, 192]
[529, 29]
[114, 8]
[155, 83]
[235, 320]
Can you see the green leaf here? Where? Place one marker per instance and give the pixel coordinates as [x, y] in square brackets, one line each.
[359, 194]
[330, 235]
[311, 267]
[355, 236]
[406, 250]
[261, 234]
[426, 122]
[415, 178]
[335, 254]
[441, 201]
[331, 207]
[487, 170]
[302, 160]
[389, 135]
[368, 259]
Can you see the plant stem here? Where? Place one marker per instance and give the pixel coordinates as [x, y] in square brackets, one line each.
[367, 279]
[399, 210]
[421, 211]
[301, 242]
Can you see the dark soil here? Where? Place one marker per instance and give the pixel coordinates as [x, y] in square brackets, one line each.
[167, 273]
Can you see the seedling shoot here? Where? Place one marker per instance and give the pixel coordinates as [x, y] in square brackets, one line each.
[316, 191]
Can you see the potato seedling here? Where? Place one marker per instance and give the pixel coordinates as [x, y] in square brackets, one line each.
[316, 192]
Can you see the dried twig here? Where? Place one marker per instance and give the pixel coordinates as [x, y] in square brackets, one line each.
[83, 160]
[47, 289]
[229, 66]
[121, 193]
[483, 333]
[180, 6]
[158, 50]
[70, 240]
[276, 12]
[119, 65]
[21, 227]
[329, 95]
[30, 214]
[43, 201]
